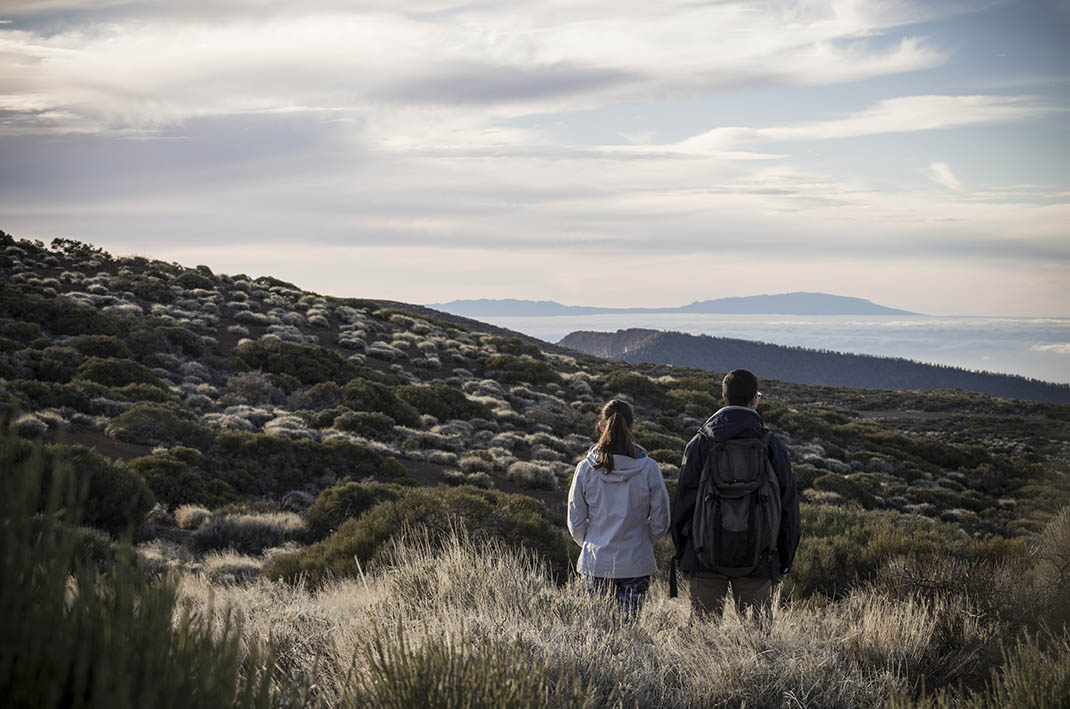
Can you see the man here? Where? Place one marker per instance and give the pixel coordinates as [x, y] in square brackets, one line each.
[738, 419]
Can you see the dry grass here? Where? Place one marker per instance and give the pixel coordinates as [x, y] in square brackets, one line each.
[192, 516]
[854, 653]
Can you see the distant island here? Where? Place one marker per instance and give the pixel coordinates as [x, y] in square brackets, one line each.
[779, 304]
[805, 366]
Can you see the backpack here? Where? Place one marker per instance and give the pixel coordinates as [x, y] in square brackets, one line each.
[737, 511]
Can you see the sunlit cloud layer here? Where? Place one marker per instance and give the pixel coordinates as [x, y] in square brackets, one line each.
[492, 149]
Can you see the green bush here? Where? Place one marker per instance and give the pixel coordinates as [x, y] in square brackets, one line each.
[510, 368]
[346, 500]
[182, 339]
[154, 424]
[308, 363]
[370, 424]
[115, 498]
[192, 279]
[70, 636]
[116, 372]
[249, 533]
[515, 346]
[652, 440]
[442, 401]
[667, 456]
[58, 364]
[365, 395]
[639, 388]
[258, 463]
[176, 482]
[805, 475]
[520, 521]
[694, 403]
[103, 346]
[59, 316]
[143, 286]
[843, 547]
[42, 395]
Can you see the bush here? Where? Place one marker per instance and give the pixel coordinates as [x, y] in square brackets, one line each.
[652, 440]
[370, 424]
[59, 315]
[509, 368]
[532, 476]
[175, 481]
[249, 533]
[362, 394]
[258, 463]
[191, 516]
[346, 500]
[639, 388]
[844, 547]
[154, 424]
[520, 521]
[115, 498]
[308, 363]
[70, 636]
[116, 372]
[192, 279]
[58, 364]
[443, 402]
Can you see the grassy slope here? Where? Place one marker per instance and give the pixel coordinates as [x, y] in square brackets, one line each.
[902, 472]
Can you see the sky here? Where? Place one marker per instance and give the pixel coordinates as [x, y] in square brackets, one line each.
[622, 153]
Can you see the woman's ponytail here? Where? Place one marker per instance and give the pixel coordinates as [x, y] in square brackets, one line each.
[616, 433]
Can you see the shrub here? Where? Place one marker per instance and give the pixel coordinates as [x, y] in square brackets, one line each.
[346, 500]
[249, 533]
[58, 364]
[116, 372]
[652, 440]
[362, 394]
[509, 368]
[308, 363]
[843, 547]
[639, 388]
[443, 402]
[532, 476]
[115, 498]
[520, 521]
[370, 424]
[257, 463]
[59, 315]
[192, 279]
[71, 636]
[191, 516]
[175, 481]
[154, 424]
[29, 426]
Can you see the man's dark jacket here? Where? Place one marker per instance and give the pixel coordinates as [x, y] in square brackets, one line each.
[735, 422]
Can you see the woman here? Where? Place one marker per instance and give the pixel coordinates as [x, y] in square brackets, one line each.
[617, 507]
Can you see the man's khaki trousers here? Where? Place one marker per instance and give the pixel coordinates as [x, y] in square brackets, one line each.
[708, 591]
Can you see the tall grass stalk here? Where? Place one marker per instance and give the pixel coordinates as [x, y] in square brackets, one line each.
[73, 636]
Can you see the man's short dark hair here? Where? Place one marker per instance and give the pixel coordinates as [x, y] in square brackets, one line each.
[739, 387]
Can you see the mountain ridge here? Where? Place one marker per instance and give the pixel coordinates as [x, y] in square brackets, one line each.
[794, 303]
[804, 366]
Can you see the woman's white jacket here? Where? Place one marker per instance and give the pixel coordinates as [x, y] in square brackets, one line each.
[615, 517]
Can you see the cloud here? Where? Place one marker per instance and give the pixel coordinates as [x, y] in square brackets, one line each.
[940, 173]
[124, 66]
[1062, 348]
[904, 114]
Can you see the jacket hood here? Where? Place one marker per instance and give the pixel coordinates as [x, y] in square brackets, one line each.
[732, 421]
[624, 467]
